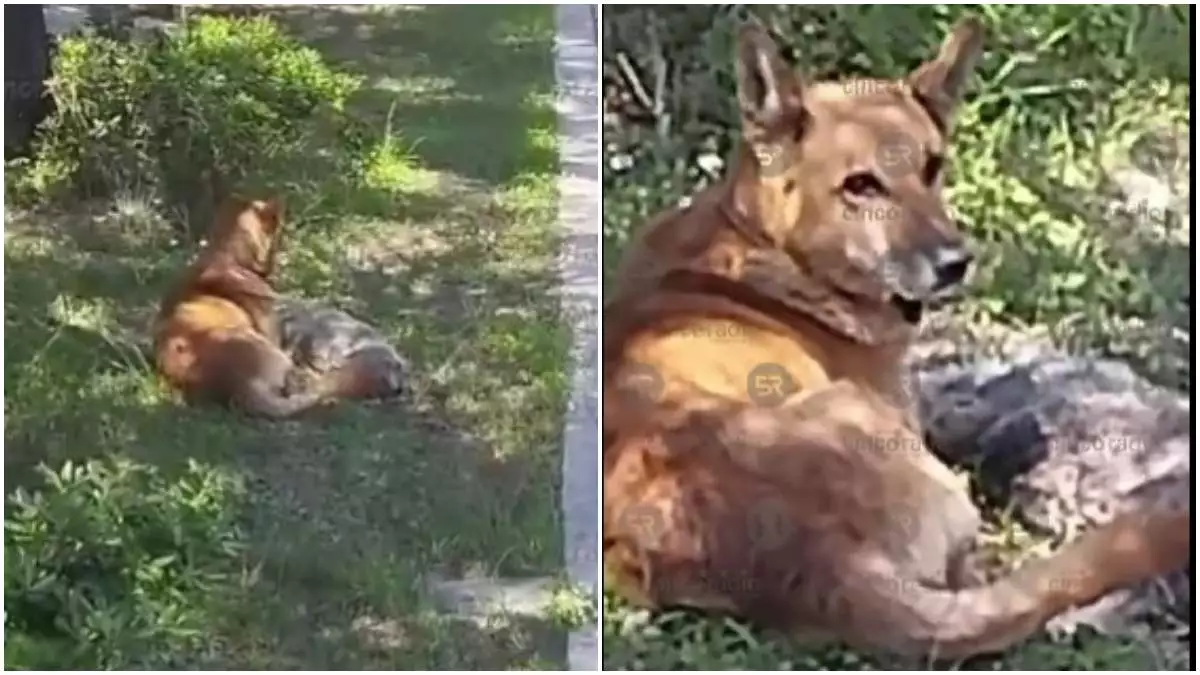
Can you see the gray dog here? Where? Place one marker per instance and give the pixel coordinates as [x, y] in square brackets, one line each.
[351, 356]
[1070, 441]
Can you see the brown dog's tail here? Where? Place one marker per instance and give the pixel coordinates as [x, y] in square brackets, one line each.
[908, 618]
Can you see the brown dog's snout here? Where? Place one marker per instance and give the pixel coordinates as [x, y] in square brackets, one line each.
[950, 265]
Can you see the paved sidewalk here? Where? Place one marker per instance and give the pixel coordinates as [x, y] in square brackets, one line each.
[579, 214]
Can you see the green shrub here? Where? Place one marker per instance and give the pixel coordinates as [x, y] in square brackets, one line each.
[99, 135]
[114, 565]
[220, 104]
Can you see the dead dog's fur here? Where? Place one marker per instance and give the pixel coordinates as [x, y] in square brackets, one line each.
[818, 512]
[353, 357]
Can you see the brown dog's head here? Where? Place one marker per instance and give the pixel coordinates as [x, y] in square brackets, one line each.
[248, 232]
[846, 177]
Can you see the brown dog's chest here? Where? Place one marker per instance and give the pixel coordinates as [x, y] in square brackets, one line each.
[917, 509]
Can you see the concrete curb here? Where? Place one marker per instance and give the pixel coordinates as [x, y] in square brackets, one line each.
[579, 199]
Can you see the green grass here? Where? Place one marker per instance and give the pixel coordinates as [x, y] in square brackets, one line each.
[1062, 94]
[448, 246]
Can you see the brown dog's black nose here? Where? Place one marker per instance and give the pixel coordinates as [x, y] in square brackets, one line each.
[950, 265]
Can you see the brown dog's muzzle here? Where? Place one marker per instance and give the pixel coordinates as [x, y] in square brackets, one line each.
[930, 271]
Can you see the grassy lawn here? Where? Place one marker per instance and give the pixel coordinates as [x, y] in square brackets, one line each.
[1066, 101]
[449, 246]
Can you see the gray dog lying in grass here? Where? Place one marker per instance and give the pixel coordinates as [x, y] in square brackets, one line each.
[1069, 441]
[329, 344]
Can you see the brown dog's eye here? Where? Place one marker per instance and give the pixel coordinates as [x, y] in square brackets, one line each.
[862, 184]
[933, 169]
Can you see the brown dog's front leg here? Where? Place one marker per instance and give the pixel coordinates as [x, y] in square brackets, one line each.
[279, 389]
[263, 399]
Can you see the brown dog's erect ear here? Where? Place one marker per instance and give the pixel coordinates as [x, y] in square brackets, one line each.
[941, 83]
[270, 210]
[770, 94]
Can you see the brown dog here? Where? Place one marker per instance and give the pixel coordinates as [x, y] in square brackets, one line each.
[215, 336]
[760, 454]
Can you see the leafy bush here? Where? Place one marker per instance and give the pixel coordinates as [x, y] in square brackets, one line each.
[216, 104]
[113, 565]
[99, 135]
